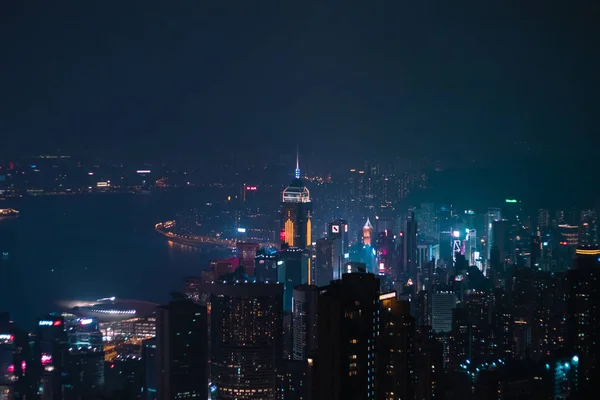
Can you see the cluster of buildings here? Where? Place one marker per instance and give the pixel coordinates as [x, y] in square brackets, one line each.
[435, 303]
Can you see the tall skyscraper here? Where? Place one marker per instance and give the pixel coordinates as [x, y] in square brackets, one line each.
[583, 315]
[543, 219]
[296, 214]
[367, 233]
[442, 304]
[182, 350]
[493, 214]
[292, 270]
[338, 230]
[246, 339]
[348, 327]
[395, 355]
[52, 351]
[86, 357]
[324, 262]
[410, 245]
[427, 221]
[151, 368]
[304, 321]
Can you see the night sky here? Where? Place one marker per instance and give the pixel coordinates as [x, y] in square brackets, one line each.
[176, 78]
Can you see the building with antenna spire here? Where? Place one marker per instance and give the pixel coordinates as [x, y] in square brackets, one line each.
[367, 232]
[296, 213]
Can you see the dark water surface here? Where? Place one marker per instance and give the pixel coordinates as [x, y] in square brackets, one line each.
[87, 247]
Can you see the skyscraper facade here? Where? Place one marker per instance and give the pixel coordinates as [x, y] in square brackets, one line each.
[86, 357]
[304, 321]
[182, 350]
[324, 262]
[296, 214]
[348, 327]
[410, 245]
[246, 339]
[292, 270]
[442, 304]
[583, 315]
[395, 355]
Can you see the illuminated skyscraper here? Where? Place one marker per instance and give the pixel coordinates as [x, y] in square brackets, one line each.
[410, 245]
[86, 357]
[304, 321]
[296, 214]
[292, 270]
[324, 262]
[52, 352]
[395, 357]
[246, 338]
[367, 232]
[583, 314]
[493, 214]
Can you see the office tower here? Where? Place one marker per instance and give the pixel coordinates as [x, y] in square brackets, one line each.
[151, 369]
[422, 307]
[428, 366]
[296, 214]
[292, 270]
[501, 325]
[493, 214]
[338, 230]
[512, 210]
[246, 253]
[410, 245]
[182, 350]
[442, 304]
[367, 233]
[426, 220]
[348, 327]
[304, 321]
[385, 251]
[324, 262]
[588, 231]
[52, 352]
[583, 315]
[395, 354]
[246, 339]
[502, 244]
[86, 357]
[543, 219]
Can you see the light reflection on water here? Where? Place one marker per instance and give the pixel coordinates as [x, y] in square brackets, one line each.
[88, 247]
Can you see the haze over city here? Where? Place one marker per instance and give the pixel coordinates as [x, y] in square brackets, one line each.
[299, 200]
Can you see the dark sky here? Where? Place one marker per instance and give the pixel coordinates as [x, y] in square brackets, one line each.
[177, 78]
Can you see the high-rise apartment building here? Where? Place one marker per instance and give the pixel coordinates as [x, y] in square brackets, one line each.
[410, 245]
[304, 321]
[395, 355]
[246, 339]
[182, 350]
[583, 315]
[348, 327]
